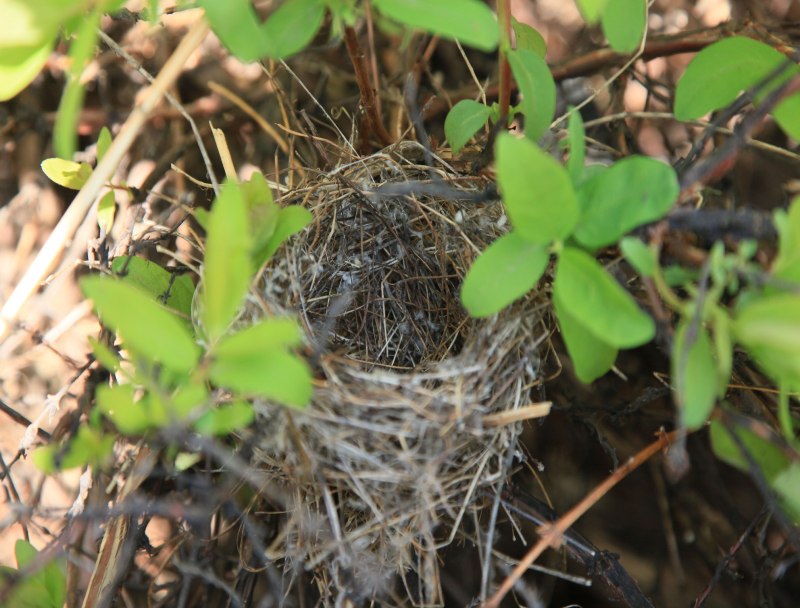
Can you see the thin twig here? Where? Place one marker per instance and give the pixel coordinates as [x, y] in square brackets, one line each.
[552, 534]
[365, 86]
[172, 100]
[83, 201]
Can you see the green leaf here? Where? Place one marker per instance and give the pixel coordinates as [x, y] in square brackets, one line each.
[292, 219]
[45, 588]
[598, 302]
[292, 27]
[225, 419]
[238, 27]
[769, 329]
[261, 208]
[186, 460]
[156, 281]
[67, 173]
[723, 349]
[577, 147]
[624, 23]
[718, 73]
[538, 90]
[787, 263]
[227, 267]
[65, 131]
[631, 192]
[25, 553]
[103, 143]
[536, 191]
[463, 121]
[287, 31]
[507, 270]
[770, 458]
[787, 115]
[694, 373]
[106, 210]
[640, 256]
[119, 404]
[104, 355]
[469, 21]
[22, 24]
[591, 357]
[88, 447]
[19, 65]
[528, 38]
[268, 335]
[592, 9]
[787, 484]
[187, 398]
[278, 376]
[677, 276]
[146, 327]
[255, 361]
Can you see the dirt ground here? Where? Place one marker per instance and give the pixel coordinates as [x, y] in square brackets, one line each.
[709, 533]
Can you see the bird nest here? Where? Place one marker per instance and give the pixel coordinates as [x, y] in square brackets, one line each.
[413, 412]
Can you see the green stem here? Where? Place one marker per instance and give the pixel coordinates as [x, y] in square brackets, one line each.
[669, 296]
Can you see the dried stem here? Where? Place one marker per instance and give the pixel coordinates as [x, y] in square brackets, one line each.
[552, 534]
[364, 86]
[504, 18]
[80, 206]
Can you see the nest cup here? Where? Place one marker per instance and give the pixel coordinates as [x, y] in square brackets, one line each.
[382, 467]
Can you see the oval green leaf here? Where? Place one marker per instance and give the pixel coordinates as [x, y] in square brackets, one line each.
[694, 374]
[508, 269]
[268, 335]
[66, 173]
[464, 120]
[591, 357]
[536, 191]
[718, 73]
[103, 143]
[469, 21]
[225, 419]
[598, 302]
[106, 210]
[591, 9]
[291, 219]
[119, 404]
[292, 27]
[147, 328]
[632, 192]
[237, 26]
[624, 23]
[787, 263]
[528, 38]
[770, 457]
[227, 265]
[538, 90]
[255, 361]
[19, 65]
[769, 329]
[275, 375]
[640, 256]
[157, 281]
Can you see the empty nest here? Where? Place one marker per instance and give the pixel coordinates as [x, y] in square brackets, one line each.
[403, 432]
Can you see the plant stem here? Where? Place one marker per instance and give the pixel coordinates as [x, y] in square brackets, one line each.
[504, 92]
[364, 85]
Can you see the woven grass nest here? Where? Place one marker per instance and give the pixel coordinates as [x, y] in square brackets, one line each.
[414, 405]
